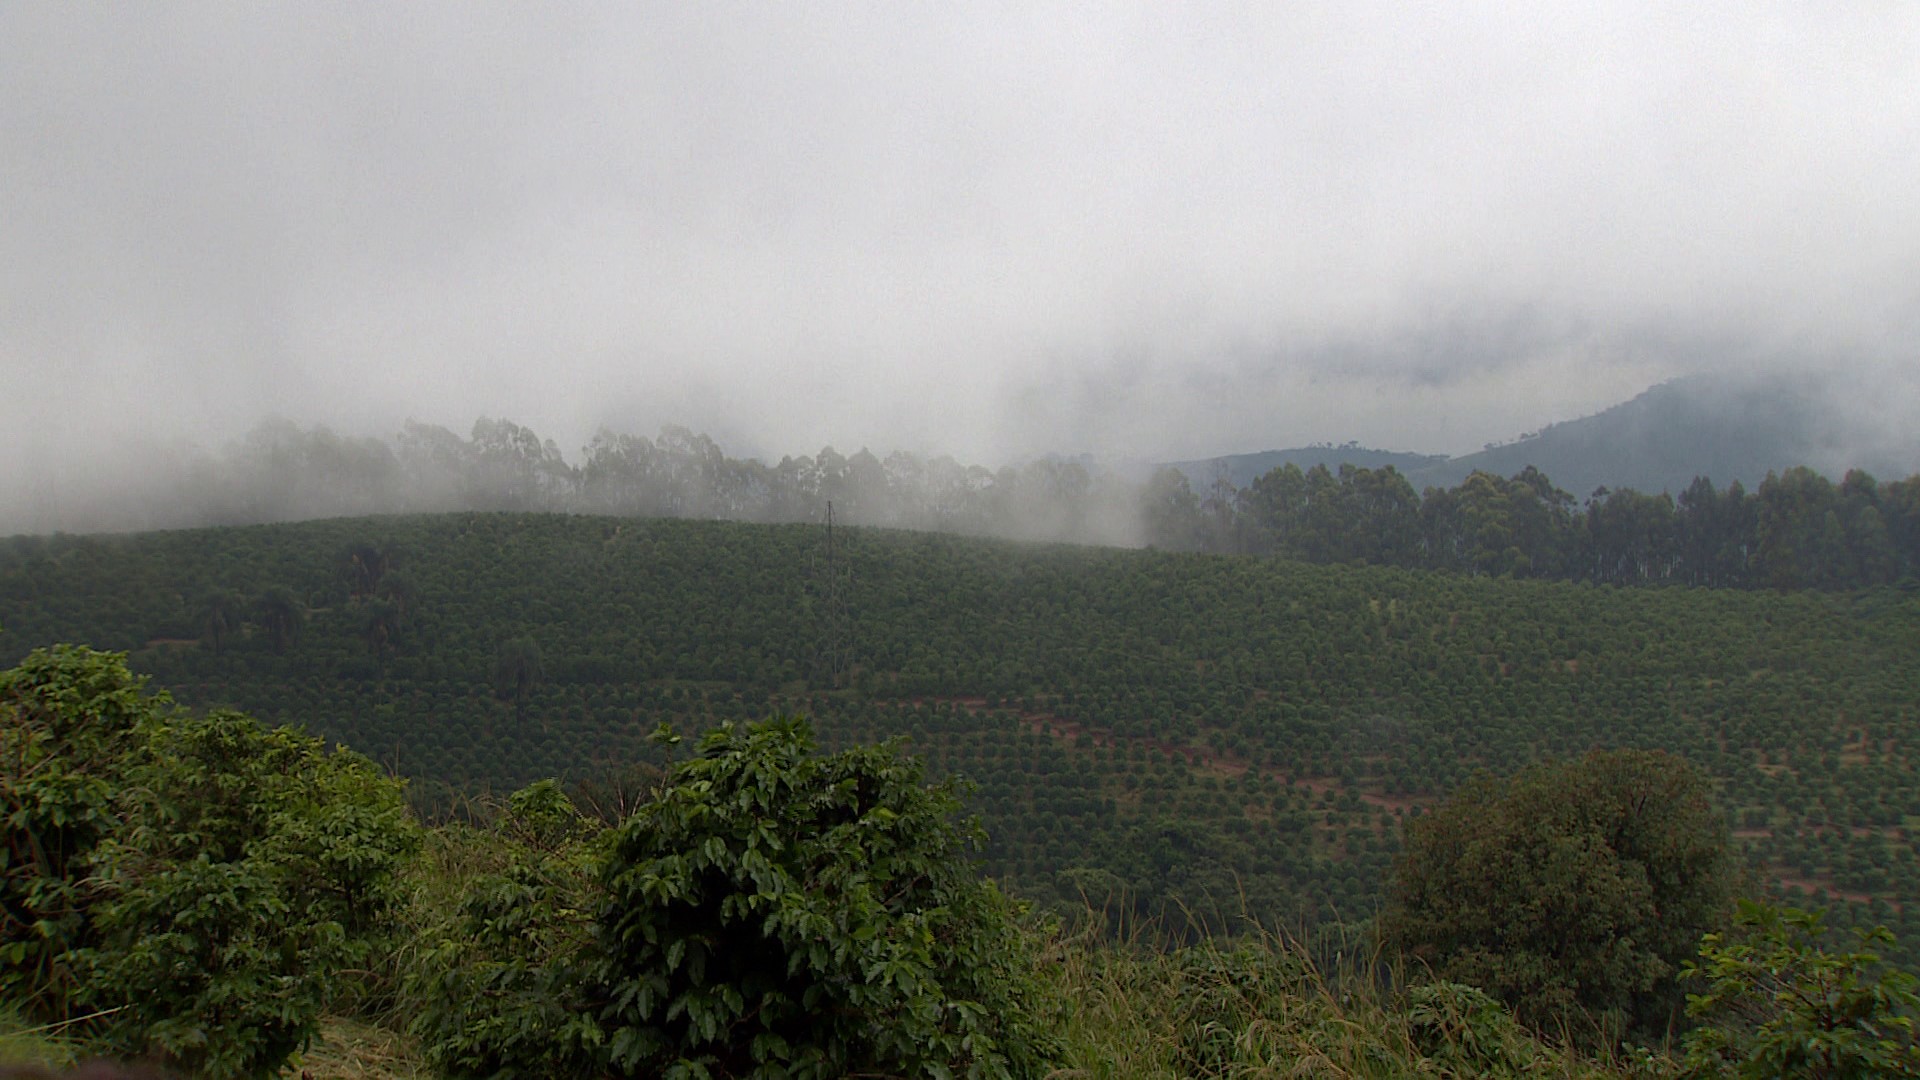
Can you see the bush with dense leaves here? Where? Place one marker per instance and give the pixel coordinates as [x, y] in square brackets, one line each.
[771, 913]
[778, 913]
[1781, 1003]
[67, 724]
[504, 985]
[1572, 892]
[181, 887]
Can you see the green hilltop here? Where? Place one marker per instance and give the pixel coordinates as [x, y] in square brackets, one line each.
[1190, 738]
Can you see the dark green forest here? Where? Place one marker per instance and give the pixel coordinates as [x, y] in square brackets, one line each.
[1188, 736]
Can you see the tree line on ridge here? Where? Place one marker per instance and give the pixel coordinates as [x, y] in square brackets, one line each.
[1798, 529]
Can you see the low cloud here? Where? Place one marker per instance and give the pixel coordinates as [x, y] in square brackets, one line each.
[992, 232]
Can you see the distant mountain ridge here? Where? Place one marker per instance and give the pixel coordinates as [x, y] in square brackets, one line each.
[1721, 428]
[1240, 469]
[1726, 428]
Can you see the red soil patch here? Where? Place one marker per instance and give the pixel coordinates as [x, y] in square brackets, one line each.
[1203, 758]
[1816, 887]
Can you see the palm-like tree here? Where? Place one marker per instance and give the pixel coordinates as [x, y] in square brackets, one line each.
[381, 624]
[281, 615]
[364, 564]
[398, 590]
[516, 668]
[221, 616]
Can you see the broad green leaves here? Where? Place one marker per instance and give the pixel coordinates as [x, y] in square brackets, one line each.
[68, 719]
[1781, 1003]
[771, 913]
[778, 913]
[181, 886]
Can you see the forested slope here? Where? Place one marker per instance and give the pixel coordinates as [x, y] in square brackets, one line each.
[1143, 727]
[1796, 529]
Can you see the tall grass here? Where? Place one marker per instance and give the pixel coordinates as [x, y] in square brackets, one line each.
[1257, 1006]
[25, 1044]
[438, 877]
[1252, 1007]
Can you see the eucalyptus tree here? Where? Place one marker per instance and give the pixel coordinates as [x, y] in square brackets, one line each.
[222, 614]
[363, 564]
[281, 615]
[517, 668]
[379, 626]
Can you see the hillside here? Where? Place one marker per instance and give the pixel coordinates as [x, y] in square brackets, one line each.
[1144, 728]
[1726, 429]
[1723, 427]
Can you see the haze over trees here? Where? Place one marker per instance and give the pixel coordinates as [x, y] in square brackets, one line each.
[1796, 529]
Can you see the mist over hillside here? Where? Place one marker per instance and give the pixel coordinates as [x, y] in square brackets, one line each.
[1026, 295]
[281, 471]
[1724, 428]
[1796, 529]
[1147, 232]
[1727, 428]
[1242, 469]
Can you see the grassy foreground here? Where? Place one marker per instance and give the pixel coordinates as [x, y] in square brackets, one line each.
[1252, 1009]
[1260, 1008]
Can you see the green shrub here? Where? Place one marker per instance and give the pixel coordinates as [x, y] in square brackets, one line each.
[781, 914]
[182, 887]
[1463, 1032]
[1572, 893]
[1780, 1004]
[505, 987]
[67, 723]
[771, 914]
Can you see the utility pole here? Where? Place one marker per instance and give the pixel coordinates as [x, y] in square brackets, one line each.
[833, 655]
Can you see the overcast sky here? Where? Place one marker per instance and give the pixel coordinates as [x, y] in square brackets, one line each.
[1156, 231]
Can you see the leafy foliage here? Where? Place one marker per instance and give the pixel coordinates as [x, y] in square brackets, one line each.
[506, 985]
[770, 913]
[1573, 890]
[68, 721]
[189, 883]
[774, 913]
[1782, 1005]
